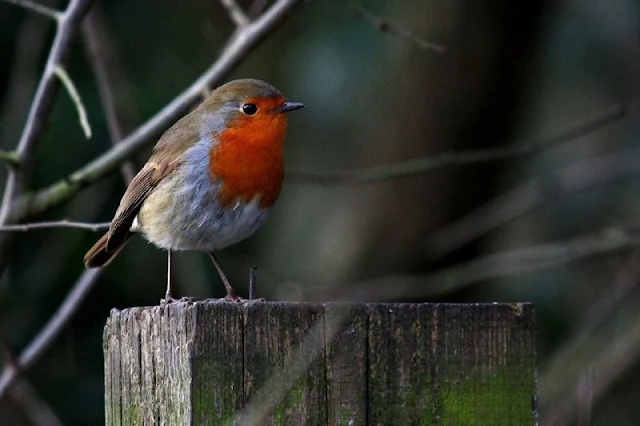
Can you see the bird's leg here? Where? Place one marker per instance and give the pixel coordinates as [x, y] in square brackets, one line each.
[231, 292]
[168, 296]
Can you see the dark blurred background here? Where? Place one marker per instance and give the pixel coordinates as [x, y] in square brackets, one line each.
[554, 225]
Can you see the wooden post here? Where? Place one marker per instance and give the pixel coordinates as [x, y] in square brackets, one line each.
[217, 363]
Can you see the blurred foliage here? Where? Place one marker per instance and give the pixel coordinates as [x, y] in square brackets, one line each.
[512, 71]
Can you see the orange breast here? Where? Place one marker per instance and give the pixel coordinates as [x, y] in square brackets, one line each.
[249, 160]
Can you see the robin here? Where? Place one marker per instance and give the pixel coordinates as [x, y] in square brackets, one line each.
[211, 180]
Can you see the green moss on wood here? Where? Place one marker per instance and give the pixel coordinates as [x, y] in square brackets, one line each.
[491, 398]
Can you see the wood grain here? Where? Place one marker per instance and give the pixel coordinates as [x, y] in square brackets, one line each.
[217, 363]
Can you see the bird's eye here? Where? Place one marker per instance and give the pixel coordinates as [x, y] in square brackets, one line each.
[249, 109]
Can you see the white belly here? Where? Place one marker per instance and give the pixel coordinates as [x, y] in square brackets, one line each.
[191, 219]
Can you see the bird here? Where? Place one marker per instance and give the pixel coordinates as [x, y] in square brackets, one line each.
[211, 179]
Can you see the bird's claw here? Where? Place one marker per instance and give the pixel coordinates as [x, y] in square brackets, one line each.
[237, 299]
[171, 299]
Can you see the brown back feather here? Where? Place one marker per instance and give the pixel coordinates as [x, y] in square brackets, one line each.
[166, 157]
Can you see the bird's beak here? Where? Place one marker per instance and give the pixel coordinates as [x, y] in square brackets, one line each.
[288, 106]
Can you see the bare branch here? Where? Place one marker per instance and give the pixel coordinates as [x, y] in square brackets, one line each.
[24, 75]
[75, 97]
[8, 356]
[386, 26]
[237, 48]
[12, 158]
[607, 354]
[41, 106]
[34, 407]
[54, 326]
[109, 78]
[590, 324]
[23, 394]
[236, 13]
[459, 158]
[43, 100]
[55, 224]
[522, 199]
[498, 265]
[37, 8]
[617, 292]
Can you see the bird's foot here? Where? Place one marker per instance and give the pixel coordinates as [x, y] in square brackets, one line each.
[167, 299]
[237, 299]
[170, 299]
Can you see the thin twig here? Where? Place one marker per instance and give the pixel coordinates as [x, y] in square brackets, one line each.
[50, 331]
[514, 262]
[522, 199]
[236, 13]
[23, 394]
[75, 97]
[238, 47]
[37, 8]
[24, 75]
[459, 158]
[609, 353]
[11, 158]
[55, 224]
[626, 280]
[8, 357]
[33, 406]
[109, 79]
[611, 301]
[68, 23]
[385, 26]
[43, 100]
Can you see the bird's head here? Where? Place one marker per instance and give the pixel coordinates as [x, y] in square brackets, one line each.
[247, 155]
[250, 111]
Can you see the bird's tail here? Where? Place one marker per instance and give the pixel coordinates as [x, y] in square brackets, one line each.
[98, 255]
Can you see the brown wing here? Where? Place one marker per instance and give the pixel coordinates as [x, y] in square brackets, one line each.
[165, 159]
[139, 189]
